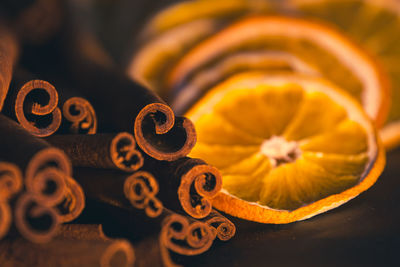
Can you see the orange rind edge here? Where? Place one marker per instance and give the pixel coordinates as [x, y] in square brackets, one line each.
[254, 212]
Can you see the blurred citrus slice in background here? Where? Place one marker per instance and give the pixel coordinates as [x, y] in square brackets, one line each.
[288, 146]
[268, 61]
[375, 25]
[176, 29]
[323, 49]
[188, 11]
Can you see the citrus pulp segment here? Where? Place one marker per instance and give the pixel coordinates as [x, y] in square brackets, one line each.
[289, 146]
[333, 55]
[375, 25]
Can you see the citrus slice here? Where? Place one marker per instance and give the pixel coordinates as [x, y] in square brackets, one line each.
[188, 11]
[333, 55]
[175, 30]
[375, 25]
[289, 146]
[271, 61]
[156, 56]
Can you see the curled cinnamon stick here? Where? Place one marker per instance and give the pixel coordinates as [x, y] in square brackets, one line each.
[81, 115]
[186, 184]
[139, 189]
[47, 178]
[10, 180]
[73, 202]
[33, 103]
[36, 110]
[158, 133]
[5, 218]
[8, 55]
[178, 234]
[116, 151]
[35, 221]
[10, 184]
[185, 237]
[44, 167]
[196, 183]
[222, 228]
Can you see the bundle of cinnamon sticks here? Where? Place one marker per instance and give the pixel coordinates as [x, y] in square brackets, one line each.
[93, 166]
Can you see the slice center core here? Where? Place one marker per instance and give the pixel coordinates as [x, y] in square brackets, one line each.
[279, 150]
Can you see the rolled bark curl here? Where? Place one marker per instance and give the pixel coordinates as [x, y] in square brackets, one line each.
[45, 116]
[110, 151]
[80, 113]
[162, 135]
[141, 189]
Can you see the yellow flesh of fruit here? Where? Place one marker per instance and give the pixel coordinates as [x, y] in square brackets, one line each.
[375, 25]
[281, 146]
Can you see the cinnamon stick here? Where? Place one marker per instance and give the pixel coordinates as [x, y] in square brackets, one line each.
[10, 180]
[73, 202]
[10, 184]
[39, 162]
[177, 234]
[168, 233]
[5, 218]
[140, 190]
[47, 179]
[34, 104]
[34, 219]
[81, 232]
[113, 187]
[186, 184]
[81, 115]
[73, 246]
[181, 237]
[157, 131]
[116, 151]
[8, 56]
[194, 182]
[221, 227]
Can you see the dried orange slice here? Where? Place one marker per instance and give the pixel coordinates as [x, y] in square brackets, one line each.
[333, 55]
[175, 30]
[150, 63]
[188, 11]
[288, 146]
[375, 25]
[269, 61]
